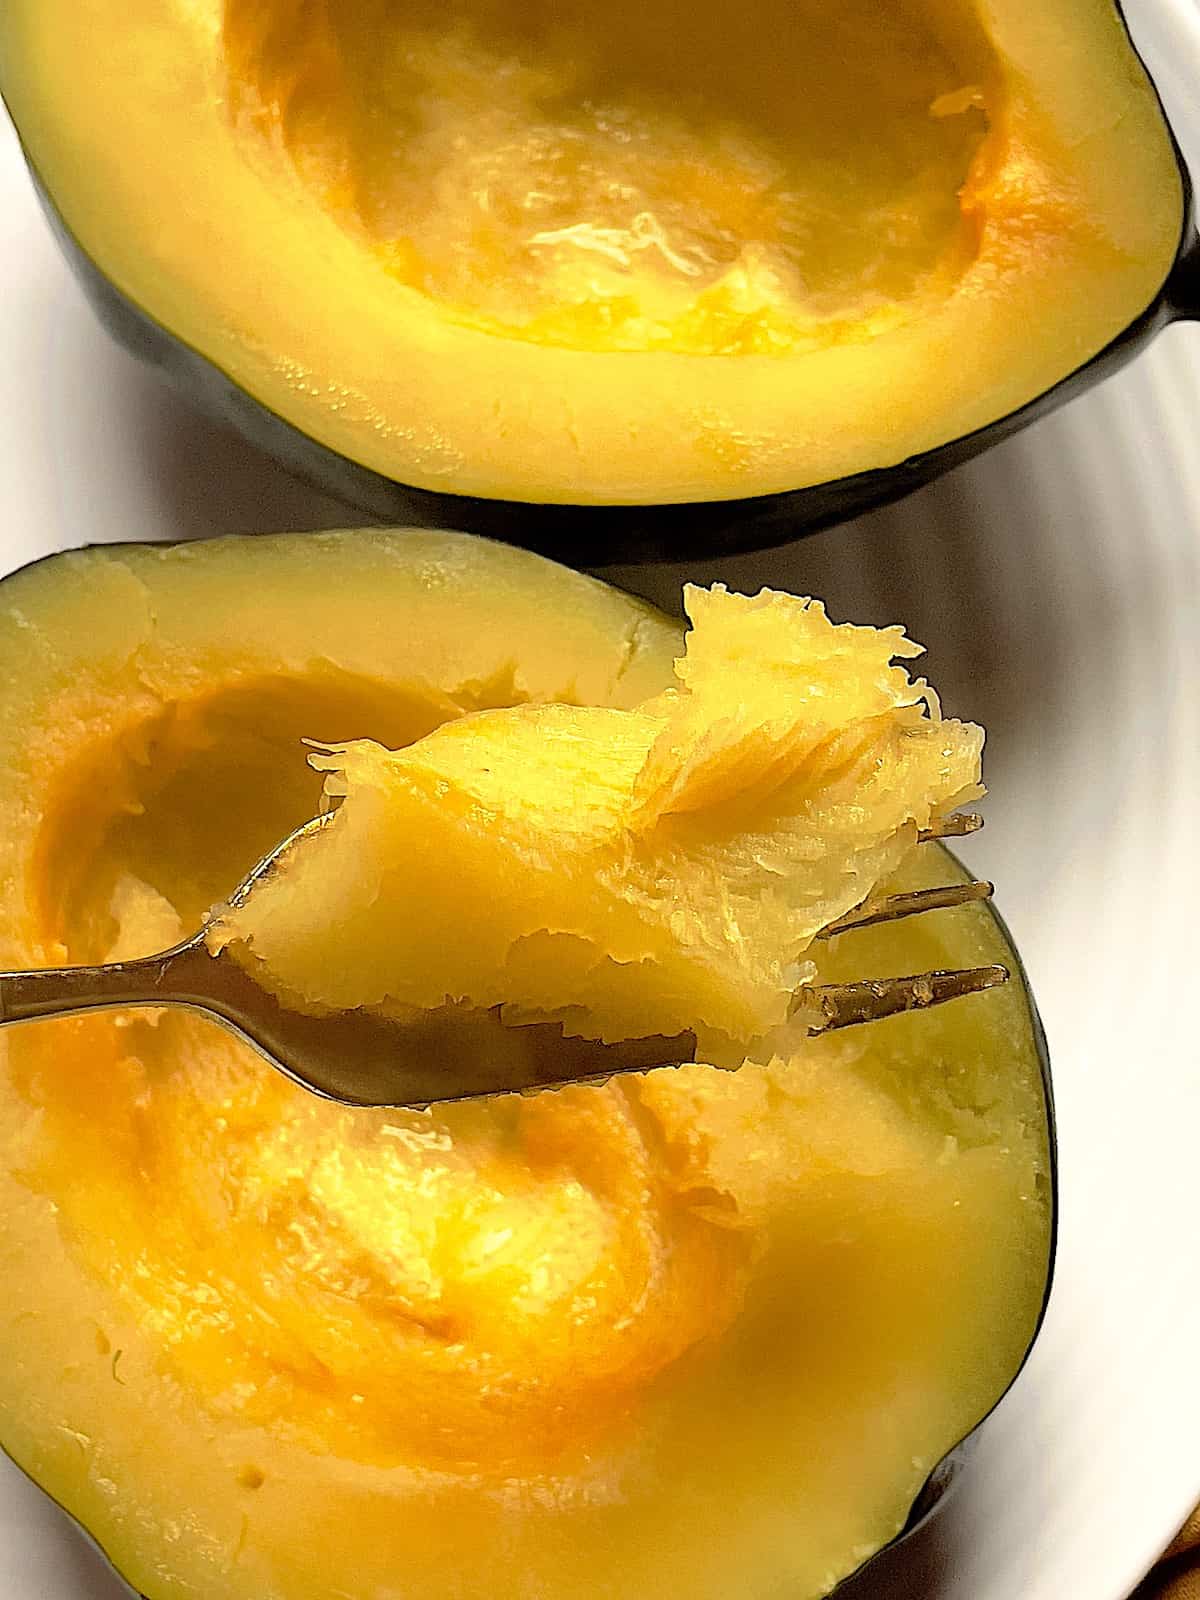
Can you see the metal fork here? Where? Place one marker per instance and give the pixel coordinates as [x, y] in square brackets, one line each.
[455, 1052]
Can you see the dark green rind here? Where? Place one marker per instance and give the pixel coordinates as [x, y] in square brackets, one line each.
[934, 1496]
[594, 536]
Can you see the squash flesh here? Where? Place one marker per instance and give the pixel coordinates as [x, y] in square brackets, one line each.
[637, 181]
[1066, 223]
[643, 871]
[707, 1332]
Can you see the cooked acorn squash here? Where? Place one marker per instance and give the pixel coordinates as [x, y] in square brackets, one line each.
[701, 1334]
[590, 257]
[646, 871]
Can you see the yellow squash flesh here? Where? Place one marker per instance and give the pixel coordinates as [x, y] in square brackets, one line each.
[647, 871]
[656, 252]
[703, 1334]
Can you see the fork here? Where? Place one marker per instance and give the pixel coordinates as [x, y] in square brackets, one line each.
[458, 1052]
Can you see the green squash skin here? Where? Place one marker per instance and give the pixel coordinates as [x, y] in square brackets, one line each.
[935, 1493]
[597, 536]
[942, 1480]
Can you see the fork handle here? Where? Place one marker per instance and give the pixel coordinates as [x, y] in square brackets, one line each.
[63, 991]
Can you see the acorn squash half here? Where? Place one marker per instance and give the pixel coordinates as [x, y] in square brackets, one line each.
[511, 266]
[701, 1334]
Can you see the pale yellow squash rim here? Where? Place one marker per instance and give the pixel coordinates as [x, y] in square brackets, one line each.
[122, 110]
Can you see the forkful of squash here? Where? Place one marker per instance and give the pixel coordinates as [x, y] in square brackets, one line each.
[550, 894]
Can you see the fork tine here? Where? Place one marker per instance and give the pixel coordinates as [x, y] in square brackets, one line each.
[892, 907]
[843, 1005]
[954, 826]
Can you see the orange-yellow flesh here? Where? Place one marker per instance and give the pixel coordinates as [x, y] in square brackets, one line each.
[646, 871]
[656, 253]
[702, 1333]
[653, 177]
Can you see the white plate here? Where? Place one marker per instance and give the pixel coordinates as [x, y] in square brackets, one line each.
[1057, 583]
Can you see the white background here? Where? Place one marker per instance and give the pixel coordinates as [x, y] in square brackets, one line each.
[1057, 584]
